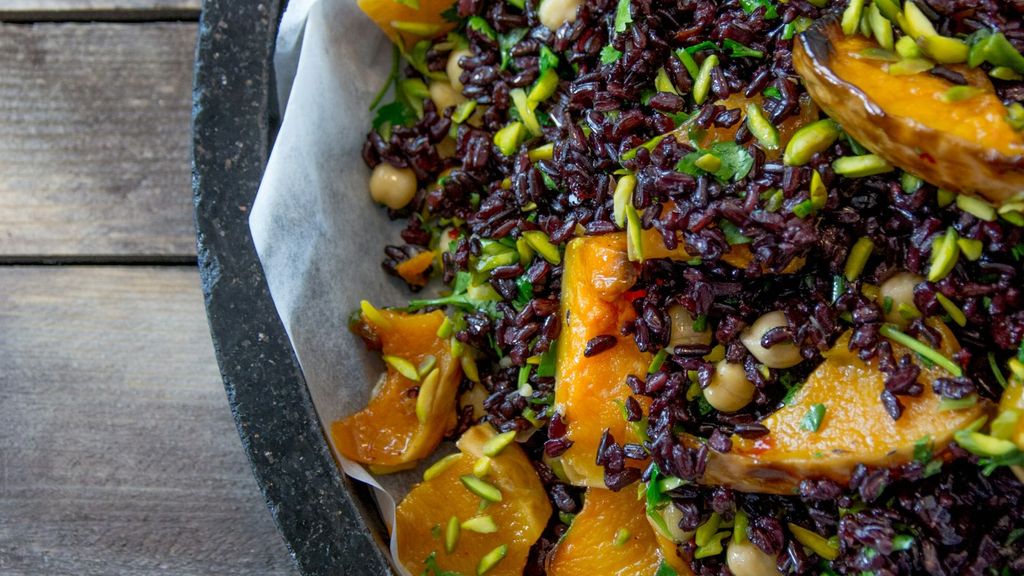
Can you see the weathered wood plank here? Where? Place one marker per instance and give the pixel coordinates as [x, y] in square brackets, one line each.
[94, 140]
[33, 10]
[118, 454]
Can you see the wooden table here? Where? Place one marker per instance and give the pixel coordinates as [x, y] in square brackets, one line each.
[118, 454]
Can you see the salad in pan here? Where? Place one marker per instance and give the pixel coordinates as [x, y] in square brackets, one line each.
[728, 287]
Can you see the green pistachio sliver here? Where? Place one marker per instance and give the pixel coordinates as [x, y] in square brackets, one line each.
[1015, 116]
[451, 534]
[623, 195]
[949, 404]
[621, 537]
[482, 467]
[525, 108]
[491, 559]
[1005, 73]
[881, 28]
[979, 51]
[1000, 52]
[819, 194]
[983, 444]
[496, 444]
[858, 258]
[915, 23]
[402, 366]
[463, 111]
[910, 183]
[468, 364]
[971, 249]
[373, 314]
[427, 395]
[817, 543]
[739, 527]
[706, 530]
[480, 525]
[907, 48]
[524, 250]
[446, 328]
[861, 166]
[428, 364]
[959, 94]
[545, 152]
[662, 83]
[943, 49]
[481, 488]
[879, 54]
[934, 356]
[539, 241]
[945, 253]
[713, 547]
[864, 27]
[809, 140]
[688, 62]
[952, 309]
[909, 67]
[702, 85]
[634, 235]
[423, 29]
[851, 17]
[976, 207]
[1005, 424]
[945, 197]
[507, 139]
[545, 86]
[761, 127]
[890, 9]
[708, 163]
[437, 468]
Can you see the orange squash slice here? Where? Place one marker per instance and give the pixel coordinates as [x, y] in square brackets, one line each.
[407, 22]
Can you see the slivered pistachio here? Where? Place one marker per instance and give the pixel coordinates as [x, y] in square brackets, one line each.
[423, 29]
[971, 249]
[713, 547]
[373, 314]
[948, 404]
[944, 197]
[524, 250]
[621, 537]
[915, 23]
[943, 49]
[907, 48]
[959, 94]
[952, 309]
[739, 526]
[428, 363]
[851, 17]
[858, 258]
[910, 183]
[545, 152]
[909, 67]
[708, 163]
[1005, 73]
[482, 467]
[1012, 212]
[934, 356]
[634, 235]
[945, 253]
[983, 444]
[809, 140]
[480, 525]
[861, 166]
[815, 542]
[706, 530]
[427, 395]
[761, 127]
[402, 366]
[446, 328]
[890, 9]
[976, 207]
[819, 194]
[881, 28]
[525, 107]
[496, 444]
[1005, 424]
[880, 54]
[864, 27]
[662, 83]
[468, 364]
[437, 468]
[539, 241]
[491, 559]
[508, 138]
[623, 196]
[463, 111]
[688, 62]
[481, 488]
[1015, 116]
[907, 311]
[702, 85]
[545, 86]
[451, 534]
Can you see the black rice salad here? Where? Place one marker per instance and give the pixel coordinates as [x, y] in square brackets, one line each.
[533, 123]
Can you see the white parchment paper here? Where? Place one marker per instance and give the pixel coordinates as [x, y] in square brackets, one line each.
[317, 233]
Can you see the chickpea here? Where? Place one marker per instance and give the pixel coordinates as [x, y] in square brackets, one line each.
[554, 13]
[672, 515]
[444, 96]
[445, 239]
[474, 397]
[446, 148]
[781, 355]
[454, 69]
[392, 187]
[899, 290]
[746, 559]
[729, 389]
[683, 333]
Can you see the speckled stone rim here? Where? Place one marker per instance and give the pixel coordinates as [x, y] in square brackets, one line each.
[329, 522]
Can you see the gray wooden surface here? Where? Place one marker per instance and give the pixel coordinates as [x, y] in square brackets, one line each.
[118, 454]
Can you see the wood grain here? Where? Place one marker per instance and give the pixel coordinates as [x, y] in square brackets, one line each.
[34, 10]
[94, 141]
[118, 454]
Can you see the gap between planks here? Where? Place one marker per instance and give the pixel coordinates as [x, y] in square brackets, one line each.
[93, 10]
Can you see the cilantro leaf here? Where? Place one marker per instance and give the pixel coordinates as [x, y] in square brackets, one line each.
[738, 50]
[479, 25]
[736, 162]
[432, 569]
[609, 54]
[395, 113]
[772, 92]
[705, 45]
[548, 59]
[665, 570]
[812, 420]
[770, 11]
[508, 41]
[623, 16]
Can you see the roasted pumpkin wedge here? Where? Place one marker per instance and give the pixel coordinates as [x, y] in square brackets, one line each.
[589, 392]
[414, 404]
[836, 421]
[458, 521]
[407, 22]
[610, 537]
[963, 145]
